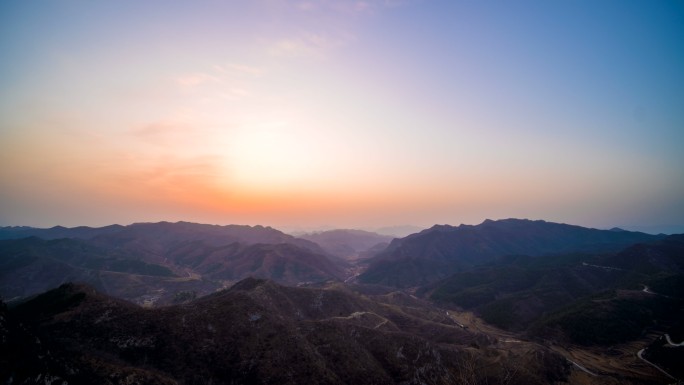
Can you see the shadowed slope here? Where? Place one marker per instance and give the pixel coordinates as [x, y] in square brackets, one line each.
[442, 250]
[256, 332]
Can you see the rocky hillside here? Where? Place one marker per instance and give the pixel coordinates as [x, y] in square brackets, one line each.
[437, 252]
[579, 298]
[157, 263]
[257, 332]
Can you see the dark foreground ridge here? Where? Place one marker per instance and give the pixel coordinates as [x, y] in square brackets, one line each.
[257, 332]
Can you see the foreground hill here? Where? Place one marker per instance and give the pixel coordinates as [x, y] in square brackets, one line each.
[437, 252]
[257, 332]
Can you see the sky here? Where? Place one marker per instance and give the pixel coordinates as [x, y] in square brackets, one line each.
[357, 114]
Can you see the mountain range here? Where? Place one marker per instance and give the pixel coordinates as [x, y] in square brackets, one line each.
[441, 250]
[606, 292]
[256, 332]
[503, 302]
[155, 262]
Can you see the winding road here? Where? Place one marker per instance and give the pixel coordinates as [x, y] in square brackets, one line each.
[669, 341]
[582, 368]
[640, 355]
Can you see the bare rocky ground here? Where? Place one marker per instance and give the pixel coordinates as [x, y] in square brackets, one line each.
[617, 364]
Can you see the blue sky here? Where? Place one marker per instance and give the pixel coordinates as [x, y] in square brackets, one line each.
[342, 113]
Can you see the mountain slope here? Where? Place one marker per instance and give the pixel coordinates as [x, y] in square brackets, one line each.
[260, 333]
[157, 263]
[32, 265]
[666, 254]
[586, 299]
[155, 239]
[283, 262]
[440, 251]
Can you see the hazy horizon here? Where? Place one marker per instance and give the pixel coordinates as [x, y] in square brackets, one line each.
[394, 230]
[342, 114]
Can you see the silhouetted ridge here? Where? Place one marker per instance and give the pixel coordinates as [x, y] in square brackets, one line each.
[441, 250]
[163, 235]
[257, 332]
[249, 283]
[666, 254]
[581, 298]
[157, 263]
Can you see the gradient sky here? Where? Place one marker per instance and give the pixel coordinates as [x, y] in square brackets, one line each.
[341, 113]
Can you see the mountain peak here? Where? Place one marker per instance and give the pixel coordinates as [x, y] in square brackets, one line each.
[441, 250]
[249, 283]
[512, 221]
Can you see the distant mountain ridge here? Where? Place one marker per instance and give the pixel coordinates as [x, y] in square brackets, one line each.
[155, 262]
[441, 250]
[56, 232]
[347, 243]
[398, 231]
[163, 234]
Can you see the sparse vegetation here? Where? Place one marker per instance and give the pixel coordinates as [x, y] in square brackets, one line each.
[330, 331]
[258, 332]
[608, 318]
[184, 296]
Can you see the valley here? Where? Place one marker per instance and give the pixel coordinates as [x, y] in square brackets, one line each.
[591, 365]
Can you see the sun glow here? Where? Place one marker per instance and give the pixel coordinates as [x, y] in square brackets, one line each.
[271, 155]
[276, 112]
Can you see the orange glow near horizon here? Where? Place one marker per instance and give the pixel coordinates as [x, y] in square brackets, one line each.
[339, 114]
